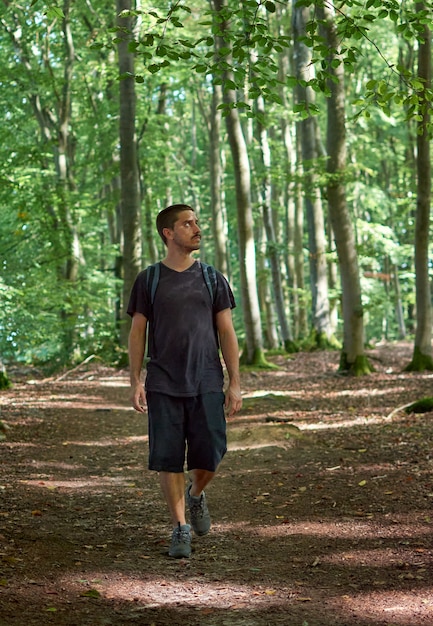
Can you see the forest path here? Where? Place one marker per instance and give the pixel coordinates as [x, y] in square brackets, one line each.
[322, 509]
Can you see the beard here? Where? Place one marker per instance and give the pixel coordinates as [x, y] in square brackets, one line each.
[192, 244]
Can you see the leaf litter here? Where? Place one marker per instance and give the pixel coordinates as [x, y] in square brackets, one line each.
[321, 508]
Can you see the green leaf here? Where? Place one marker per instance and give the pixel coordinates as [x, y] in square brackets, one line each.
[54, 13]
[132, 46]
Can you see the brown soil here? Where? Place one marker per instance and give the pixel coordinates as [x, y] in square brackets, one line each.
[321, 508]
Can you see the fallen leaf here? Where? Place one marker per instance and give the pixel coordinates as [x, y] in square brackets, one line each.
[91, 593]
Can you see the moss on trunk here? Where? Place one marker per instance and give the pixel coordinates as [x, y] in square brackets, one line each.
[5, 383]
[258, 360]
[425, 405]
[420, 362]
[360, 367]
[290, 346]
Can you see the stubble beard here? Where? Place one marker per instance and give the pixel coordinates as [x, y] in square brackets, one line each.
[192, 246]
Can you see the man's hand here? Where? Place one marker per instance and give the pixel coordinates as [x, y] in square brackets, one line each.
[233, 401]
[138, 397]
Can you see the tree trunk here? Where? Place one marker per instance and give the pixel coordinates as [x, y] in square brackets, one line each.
[253, 350]
[5, 383]
[219, 224]
[353, 359]
[272, 247]
[422, 354]
[129, 196]
[398, 303]
[313, 203]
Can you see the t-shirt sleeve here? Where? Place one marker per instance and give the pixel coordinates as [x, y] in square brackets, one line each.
[224, 298]
[139, 299]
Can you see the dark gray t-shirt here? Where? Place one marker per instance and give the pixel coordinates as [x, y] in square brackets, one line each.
[182, 340]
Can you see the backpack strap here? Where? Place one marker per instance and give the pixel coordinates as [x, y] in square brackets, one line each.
[210, 278]
[153, 272]
[152, 280]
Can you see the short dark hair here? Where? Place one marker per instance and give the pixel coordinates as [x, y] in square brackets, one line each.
[167, 218]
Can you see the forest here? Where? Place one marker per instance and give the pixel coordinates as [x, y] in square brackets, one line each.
[299, 131]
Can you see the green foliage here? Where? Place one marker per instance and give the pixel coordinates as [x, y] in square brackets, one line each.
[47, 317]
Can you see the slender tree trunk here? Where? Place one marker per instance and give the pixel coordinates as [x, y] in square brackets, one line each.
[265, 298]
[313, 203]
[398, 304]
[299, 243]
[353, 359]
[253, 351]
[218, 219]
[422, 354]
[129, 196]
[272, 248]
[5, 383]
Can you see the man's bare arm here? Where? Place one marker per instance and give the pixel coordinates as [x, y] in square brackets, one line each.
[136, 347]
[230, 352]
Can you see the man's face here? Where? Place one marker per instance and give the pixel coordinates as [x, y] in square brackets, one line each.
[186, 233]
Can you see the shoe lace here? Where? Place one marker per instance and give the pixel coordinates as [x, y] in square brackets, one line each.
[181, 534]
[197, 509]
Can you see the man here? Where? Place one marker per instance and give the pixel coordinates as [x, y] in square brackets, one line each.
[185, 326]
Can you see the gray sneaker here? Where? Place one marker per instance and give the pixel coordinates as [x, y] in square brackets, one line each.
[200, 518]
[180, 547]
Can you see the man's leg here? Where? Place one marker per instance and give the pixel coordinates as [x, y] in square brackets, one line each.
[200, 478]
[173, 488]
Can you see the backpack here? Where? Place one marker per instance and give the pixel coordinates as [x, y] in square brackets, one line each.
[209, 277]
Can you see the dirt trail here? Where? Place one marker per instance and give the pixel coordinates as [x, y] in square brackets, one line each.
[322, 509]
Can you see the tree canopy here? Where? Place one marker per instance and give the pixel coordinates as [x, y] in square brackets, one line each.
[65, 272]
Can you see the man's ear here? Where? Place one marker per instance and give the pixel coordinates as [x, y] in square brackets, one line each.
[168, 233]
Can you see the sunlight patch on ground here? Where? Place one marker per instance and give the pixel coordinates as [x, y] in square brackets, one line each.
[278, 393]
[262, 393]
[376, 557]
[102, 443]
[366, 392]
[156, 593]
[395, 607]
[343, 423]
[95, 402]
[18, 444]
[351, 529]
[98, 484]
[114, 383]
